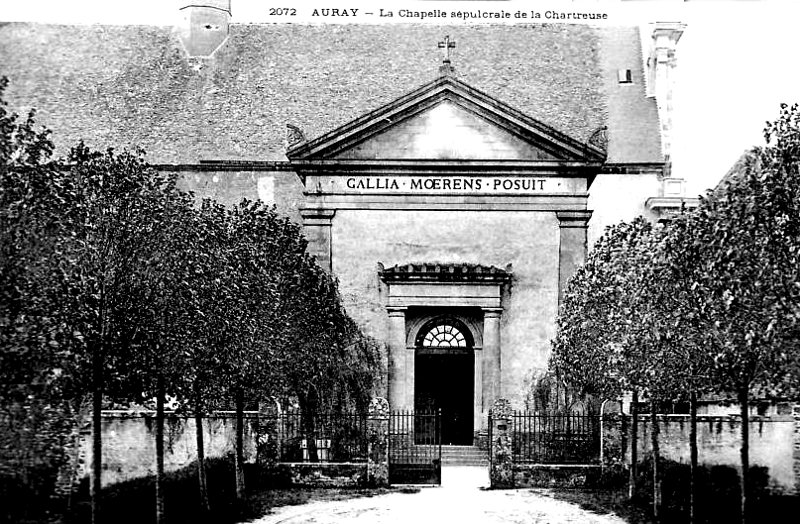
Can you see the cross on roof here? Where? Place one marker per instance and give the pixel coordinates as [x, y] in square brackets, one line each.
[447, 45]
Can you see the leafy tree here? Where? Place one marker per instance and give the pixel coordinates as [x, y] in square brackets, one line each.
[684, 319]
[118, 286]
[71, 236]
[616, 331]
[37, 347]
[594, 346]
[252, 254]
[165, 314]
[748, 234]
[710, 301]
[111, 231]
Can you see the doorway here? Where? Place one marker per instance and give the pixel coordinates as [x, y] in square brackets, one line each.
[444, 366]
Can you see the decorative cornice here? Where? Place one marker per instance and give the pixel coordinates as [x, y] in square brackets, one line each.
[510, 168]
[317, 216]
[473, 273]
[492, 312]
[228, 165]
[668, 207]
[573, 219]
[633, 168]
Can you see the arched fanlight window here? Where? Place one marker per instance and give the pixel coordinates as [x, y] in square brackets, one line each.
[444, 336]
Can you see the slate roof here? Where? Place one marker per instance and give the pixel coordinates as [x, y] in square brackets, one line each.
[134, 85]
[748, 162]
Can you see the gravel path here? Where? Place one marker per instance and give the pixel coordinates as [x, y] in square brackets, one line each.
[459, 499]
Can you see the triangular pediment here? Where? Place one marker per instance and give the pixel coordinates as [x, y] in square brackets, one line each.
[446, 131]
[450, 121]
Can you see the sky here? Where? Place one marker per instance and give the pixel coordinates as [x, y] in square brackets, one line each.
[733, 72]
[736, 60]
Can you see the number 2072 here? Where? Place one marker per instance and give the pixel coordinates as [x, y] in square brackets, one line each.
[282, 11]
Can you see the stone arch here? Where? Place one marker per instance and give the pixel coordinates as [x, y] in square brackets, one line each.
[445, 331]
[418, 326]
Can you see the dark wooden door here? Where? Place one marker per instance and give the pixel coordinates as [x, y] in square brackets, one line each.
[444, 381]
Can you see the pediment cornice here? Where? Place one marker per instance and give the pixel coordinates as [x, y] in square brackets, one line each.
[565, 150]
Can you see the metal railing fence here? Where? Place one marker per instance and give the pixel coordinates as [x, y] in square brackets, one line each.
[555, 438]
[322, 437]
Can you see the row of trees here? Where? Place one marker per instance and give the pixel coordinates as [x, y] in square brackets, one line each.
[117, 286]
[707, 304]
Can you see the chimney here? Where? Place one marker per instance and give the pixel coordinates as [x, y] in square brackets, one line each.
[204, 26]
[661, 64]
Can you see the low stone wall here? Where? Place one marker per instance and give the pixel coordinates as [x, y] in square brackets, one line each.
[338, 475]
[505, 473]
[129, 447]
[774, 444]
[557, 476]
[129, 442]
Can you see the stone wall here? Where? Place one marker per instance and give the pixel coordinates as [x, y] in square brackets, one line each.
[446, 131]
[617, 197]
[331, 475]
[281, 188]
[773, 441]
[774, 445]
[129, 447]
[528, 241]
[129, 442]
[505, 473]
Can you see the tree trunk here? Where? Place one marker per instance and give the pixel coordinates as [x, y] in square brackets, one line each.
[205, 505]
[745, 451]
[97, 438]
[307, 411]
[654, 430]
[239, 455]
[634, 445]
[160, 448]
[692, 455]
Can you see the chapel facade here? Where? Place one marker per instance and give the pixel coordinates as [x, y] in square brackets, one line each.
[451, 178]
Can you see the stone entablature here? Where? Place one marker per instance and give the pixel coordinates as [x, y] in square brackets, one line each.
[489, 156]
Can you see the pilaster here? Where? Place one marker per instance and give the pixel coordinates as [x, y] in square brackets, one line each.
[398, 361]
[572, 245]
[479, 408]
[317, 227]
[492, 358]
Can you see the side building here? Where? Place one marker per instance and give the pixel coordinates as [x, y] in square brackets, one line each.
[451, 178]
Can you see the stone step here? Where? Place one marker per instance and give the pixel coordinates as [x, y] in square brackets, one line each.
[464, 456]
[464, 461]
[479, 463]
[463, 450]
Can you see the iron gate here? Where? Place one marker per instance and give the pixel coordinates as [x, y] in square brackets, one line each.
[415, 447]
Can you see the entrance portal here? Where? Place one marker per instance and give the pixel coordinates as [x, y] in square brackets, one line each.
[444, 378]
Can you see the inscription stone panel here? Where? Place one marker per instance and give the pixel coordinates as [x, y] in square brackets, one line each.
[444, 185]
